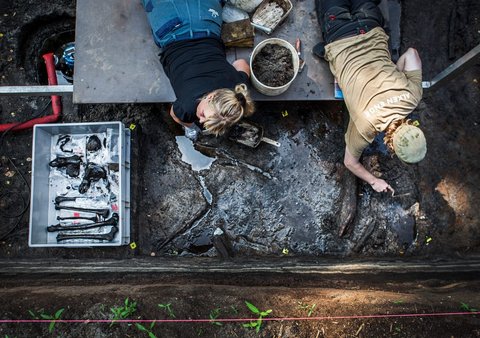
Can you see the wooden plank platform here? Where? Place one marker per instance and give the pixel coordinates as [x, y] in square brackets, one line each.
[116, 60]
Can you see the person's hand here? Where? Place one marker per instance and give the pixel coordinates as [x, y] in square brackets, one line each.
[380, 185]
[192, 132]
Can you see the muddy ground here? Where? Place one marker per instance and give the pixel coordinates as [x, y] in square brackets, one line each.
[266, 199]
[297, 197]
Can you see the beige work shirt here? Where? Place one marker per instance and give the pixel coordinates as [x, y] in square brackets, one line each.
[375, 92]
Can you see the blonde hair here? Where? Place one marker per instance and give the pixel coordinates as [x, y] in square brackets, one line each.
[230, 106]
[390, 132]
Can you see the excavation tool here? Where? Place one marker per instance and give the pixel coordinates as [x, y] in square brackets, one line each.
[59, 227]
[401, 195]
[249, 134]
[301, 61]
[262, 28]
[101, 212]
[101, 237]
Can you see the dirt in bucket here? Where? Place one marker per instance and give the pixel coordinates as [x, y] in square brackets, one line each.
[273, 65]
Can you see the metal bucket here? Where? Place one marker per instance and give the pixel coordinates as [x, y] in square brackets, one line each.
[263, 88]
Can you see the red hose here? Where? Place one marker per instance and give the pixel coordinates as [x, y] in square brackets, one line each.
[56, 102]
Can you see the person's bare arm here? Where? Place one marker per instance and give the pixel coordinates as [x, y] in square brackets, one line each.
[176, 119]
[410, 60]
[353, 164]
[242, 65]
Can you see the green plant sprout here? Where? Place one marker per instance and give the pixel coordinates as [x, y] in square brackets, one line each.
[123, 312]
[168, 309]
[261, 314]
[147, 330]
[102, 307]
[214, 315]
[467, 307]
[397, 302]
[234, 309]
[308, 308]
[42, 315]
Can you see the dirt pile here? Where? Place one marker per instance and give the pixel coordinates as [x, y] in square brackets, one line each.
[273, 65]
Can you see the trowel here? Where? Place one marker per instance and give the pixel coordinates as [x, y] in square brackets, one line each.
[250, 134]
[301, 61]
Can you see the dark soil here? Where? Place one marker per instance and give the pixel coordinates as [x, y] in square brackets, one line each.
[273, 65]
[345, 300]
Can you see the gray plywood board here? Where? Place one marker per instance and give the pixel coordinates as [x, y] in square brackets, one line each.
[117, 60]
[315, 82]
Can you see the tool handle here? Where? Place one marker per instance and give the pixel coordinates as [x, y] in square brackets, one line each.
[270, 141]
[298, 45]
[262, 28]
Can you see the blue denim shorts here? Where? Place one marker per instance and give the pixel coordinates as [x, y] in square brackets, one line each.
[177, 20]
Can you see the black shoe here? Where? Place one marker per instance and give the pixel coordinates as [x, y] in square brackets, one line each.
[319, 50]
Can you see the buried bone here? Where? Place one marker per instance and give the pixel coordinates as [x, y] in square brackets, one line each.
[72, 163]
[93, 173]
[58, 227]
[63, 140]
[101, 237]
[93, 143]
[93, 219]
[60, 199]
[101, 212]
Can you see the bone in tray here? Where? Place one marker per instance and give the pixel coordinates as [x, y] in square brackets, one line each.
[269, 16]
[84, 188]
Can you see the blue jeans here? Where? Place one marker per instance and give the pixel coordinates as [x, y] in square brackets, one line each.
[177, 20]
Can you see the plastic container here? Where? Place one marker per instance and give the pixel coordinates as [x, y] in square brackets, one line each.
[263, 88]
[47, 183]
[265, 17]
